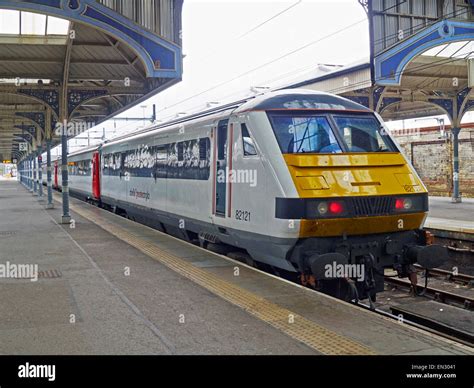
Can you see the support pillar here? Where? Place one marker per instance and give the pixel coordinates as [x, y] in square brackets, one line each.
[40, 173]
[49, 179]
[456, 198]
[20, 167]
[31, 172]
[35, 174]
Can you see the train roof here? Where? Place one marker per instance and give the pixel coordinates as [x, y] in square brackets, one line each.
[85, 150]
[285, 99]
[297, 99]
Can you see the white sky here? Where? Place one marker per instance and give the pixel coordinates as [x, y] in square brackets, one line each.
[31, 23]
[215, 50]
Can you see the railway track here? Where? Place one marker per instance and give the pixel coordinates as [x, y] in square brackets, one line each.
[450, 276]
[437, 294]
[423, 323]
[418, 319]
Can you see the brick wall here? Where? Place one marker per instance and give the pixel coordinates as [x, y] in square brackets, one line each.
[431, 154]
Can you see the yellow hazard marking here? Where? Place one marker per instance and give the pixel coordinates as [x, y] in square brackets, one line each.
[294, 325]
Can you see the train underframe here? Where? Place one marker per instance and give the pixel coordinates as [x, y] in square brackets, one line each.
[352, 267]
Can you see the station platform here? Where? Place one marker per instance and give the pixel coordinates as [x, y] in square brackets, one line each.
[457, 218]
[108, 285]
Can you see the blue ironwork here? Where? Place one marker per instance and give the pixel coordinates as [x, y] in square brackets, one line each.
[445, 103]
[73, 4]
[37, 117]
[468, 106]
[377, 94]
[386, 101]
[24, 136]
[49, 97]
[162, 59]
[390, 64]
[77, 97]
[30, 129]
[362, 100]
[462, 98]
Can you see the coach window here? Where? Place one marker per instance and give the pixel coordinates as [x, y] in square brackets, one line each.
[180, 152]
[204, 145]
[247, 142]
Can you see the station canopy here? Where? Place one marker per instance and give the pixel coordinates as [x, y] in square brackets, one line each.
[106, 70]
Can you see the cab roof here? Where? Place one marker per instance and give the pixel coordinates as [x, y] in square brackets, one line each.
[297, 99]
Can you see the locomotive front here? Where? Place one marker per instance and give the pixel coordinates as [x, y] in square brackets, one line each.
[361, 205]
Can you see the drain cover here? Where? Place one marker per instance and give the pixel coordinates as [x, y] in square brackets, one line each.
[7, 233]
[50, 274]
[47, 274]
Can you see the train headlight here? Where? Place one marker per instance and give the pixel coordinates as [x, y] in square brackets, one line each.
[330, 208]
[323, 208]
[406, 204]
[403, 204]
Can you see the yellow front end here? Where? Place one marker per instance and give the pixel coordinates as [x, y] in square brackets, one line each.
[355, 175]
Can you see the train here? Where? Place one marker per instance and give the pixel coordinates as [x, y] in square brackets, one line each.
[309, 185]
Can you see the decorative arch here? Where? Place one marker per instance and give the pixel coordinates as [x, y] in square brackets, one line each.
[439, 104]
[390, 64]
[162, 59]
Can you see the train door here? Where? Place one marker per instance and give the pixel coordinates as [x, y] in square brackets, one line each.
[96, 175]
[56, 182]
[221, 168]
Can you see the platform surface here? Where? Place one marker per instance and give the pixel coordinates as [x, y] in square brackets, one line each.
[112, 286]
[453, 217]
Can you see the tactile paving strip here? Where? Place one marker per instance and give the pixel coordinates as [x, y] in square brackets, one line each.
[317, 337]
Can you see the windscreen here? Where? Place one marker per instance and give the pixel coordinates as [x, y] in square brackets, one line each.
[329, 134]
[363, 134]
[301, 134]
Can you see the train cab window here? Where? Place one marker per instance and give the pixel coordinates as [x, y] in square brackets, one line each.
[304, 134]
[363, 134]
[247, 142]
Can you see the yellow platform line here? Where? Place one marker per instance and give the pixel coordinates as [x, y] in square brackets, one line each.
[294, 325]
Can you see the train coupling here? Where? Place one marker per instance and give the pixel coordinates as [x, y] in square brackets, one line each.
[428, 256]
[361, 276]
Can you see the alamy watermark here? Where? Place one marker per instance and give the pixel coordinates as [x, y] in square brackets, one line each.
[19, 271]
[237, 176]
[341, 271]
[31, 371]
[72, 128]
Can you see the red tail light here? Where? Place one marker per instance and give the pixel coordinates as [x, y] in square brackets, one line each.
[336, 207]
[403, 204]
[399, 204]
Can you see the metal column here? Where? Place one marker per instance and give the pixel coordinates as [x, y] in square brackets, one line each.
[50, 204]
[35, 174]
[31, 172]
[456, 194]
[40, 173]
